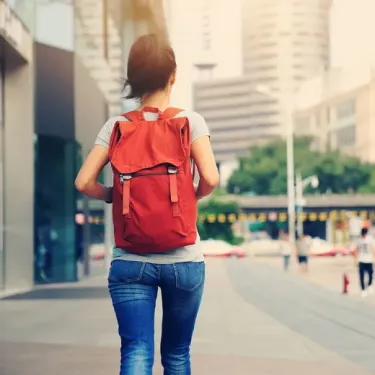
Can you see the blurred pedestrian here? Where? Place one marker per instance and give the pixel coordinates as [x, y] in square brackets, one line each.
[286, 248]
[364, 254]
[303, 250]
[44, 249]
[154, 210]
[355, 226]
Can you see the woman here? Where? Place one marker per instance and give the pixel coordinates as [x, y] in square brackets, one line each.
[134, 279]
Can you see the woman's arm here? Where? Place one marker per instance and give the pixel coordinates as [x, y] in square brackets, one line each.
[204, 159]
[87, 178]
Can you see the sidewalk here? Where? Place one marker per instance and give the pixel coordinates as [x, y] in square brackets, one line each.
[70, 329]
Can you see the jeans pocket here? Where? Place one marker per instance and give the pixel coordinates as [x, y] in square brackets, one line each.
[189, 275]
[126, 271]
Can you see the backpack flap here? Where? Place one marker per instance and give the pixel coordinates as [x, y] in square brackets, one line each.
[136, 146]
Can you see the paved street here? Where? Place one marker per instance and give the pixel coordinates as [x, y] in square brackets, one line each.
[326, 272]
[254, 320]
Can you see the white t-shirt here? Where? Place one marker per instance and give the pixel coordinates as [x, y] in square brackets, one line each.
[365, 248]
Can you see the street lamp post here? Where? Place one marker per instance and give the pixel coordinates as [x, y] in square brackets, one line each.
[301, 185]
[290, 174]
[299, 203]
[289, 130]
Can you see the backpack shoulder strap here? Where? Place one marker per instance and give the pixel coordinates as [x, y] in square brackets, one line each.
[135, 116]
[132, 116]
[172, 112]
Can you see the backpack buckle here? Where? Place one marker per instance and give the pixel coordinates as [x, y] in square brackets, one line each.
[172, 169]
[125, 177]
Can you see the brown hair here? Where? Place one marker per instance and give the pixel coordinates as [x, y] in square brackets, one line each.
[150, 65]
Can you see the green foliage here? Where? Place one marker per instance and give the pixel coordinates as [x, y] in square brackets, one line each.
[264, 170]
[216, 230]
[370, 187]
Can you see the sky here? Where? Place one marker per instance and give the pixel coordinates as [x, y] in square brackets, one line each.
[352, 33]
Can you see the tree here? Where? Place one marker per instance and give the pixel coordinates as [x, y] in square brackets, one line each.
[263, 171]
[217, 230]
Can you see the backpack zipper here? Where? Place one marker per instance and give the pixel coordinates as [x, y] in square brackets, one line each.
[124, 177]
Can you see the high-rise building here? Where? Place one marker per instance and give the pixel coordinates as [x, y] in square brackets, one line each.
[205, 61]
[232, 110]
[206, 37]
[284, 44]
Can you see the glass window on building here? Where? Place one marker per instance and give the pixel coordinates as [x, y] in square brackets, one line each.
[56, 246]
[345, 109]
[345, 137]
[302, 124]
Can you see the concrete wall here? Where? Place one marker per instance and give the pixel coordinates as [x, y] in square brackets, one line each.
[18, 155]
[90, 107]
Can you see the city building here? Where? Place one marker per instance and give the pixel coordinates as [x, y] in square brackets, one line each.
[284, 44]
[337, 110]
[231, 108]
[62, 63]
[98, 47]
[16, 151]
[49, 254]
[206, 37]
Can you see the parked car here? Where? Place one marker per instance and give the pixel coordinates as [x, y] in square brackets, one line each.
[331, 252]
[323, 248]
[219, 248]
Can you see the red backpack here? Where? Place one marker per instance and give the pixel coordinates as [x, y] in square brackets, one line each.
[154, 204]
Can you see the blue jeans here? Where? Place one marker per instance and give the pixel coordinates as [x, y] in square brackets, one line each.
[133, 287]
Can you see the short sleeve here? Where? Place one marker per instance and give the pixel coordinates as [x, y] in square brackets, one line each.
[198, 125]
[105, 132]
